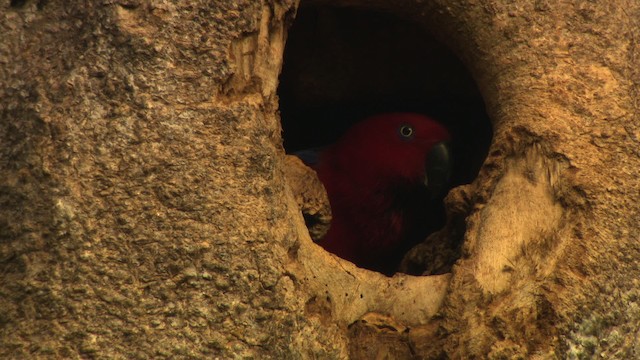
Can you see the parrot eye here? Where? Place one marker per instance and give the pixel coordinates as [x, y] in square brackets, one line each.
[406, 131]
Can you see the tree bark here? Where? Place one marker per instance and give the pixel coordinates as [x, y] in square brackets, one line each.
[145, 211]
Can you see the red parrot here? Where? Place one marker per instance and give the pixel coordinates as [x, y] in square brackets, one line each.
[384, 179]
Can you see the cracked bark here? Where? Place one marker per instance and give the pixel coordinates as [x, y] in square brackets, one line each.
[145, 212]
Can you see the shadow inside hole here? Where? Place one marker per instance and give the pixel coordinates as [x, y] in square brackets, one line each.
[17, 3]
[343, 64]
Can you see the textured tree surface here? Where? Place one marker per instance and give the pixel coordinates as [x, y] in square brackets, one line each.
[145, 212]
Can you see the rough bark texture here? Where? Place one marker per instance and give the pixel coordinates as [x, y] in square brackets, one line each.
[142, 190]
[144, 211]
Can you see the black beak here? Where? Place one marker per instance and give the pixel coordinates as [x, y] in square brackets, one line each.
[438, 170]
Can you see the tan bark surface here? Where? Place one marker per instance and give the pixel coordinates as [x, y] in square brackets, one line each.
[144, 210]
[142, 188]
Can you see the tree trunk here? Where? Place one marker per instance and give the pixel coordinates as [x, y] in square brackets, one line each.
[145, 212]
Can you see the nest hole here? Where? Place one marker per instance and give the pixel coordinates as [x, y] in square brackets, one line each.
[343, 64]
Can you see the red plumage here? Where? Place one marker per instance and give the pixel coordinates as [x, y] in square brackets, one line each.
[374, 176]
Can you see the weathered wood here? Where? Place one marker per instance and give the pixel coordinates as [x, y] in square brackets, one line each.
[144, 211]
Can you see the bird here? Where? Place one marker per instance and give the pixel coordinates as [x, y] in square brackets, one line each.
[385, 178]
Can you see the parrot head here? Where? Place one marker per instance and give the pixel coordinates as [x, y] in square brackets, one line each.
[392, 147]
